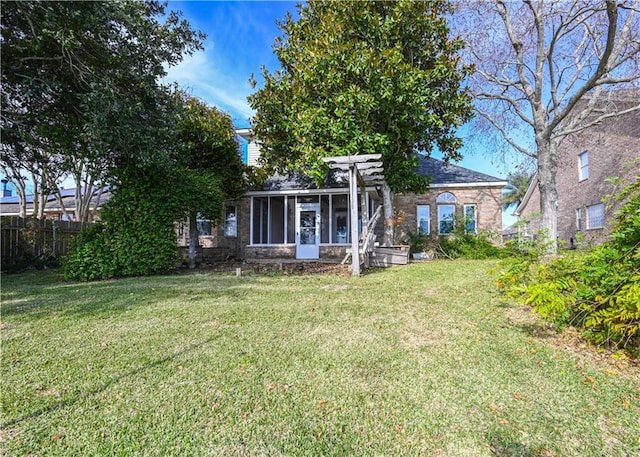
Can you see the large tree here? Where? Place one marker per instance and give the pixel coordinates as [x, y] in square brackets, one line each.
[548, 69]
[209, 162]
[80, 88]
[363, 78]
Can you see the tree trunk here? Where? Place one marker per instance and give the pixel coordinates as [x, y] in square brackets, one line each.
[547, 168]
[194, 240]
[387, 205]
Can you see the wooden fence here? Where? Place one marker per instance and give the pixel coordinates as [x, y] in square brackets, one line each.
[35, 241]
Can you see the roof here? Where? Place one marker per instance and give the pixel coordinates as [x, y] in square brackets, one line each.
[448, 173]
[11, 205]
[441, 173]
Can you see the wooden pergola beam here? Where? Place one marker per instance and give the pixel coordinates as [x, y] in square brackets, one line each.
[363, 170]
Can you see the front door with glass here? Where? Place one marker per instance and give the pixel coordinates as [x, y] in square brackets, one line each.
[307, 231]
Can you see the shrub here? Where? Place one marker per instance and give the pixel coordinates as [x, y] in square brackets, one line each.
[597, 290]
[136, 237]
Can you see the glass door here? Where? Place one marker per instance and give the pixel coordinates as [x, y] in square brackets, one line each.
[308, 231]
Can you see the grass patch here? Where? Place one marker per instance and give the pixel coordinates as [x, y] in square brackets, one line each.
[419, 360]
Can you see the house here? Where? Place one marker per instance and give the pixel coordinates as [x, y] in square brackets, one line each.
[587, 163]
[63, 208]
[289, 217]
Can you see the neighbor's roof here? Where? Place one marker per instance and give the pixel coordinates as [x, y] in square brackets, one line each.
[11, 205]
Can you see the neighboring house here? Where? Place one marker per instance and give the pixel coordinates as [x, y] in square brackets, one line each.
[292, 218]
[53, 209]
[587, 162]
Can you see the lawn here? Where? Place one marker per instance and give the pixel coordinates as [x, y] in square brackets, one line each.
[416, 360]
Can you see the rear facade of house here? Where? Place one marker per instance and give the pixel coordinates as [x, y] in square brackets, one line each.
[289, 217]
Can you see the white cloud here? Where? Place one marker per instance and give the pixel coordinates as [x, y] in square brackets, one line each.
[207, 75]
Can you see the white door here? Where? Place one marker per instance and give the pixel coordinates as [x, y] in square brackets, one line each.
[307, 231]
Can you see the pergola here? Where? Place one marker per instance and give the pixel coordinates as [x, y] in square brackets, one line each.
[364, 170]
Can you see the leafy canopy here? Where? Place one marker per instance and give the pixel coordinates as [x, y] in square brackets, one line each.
[362, 78]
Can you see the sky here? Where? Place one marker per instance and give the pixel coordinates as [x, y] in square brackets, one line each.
[240, 37]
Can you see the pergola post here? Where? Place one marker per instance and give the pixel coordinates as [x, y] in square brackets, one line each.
[363, 169]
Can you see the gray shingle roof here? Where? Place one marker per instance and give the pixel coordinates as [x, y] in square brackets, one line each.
[442, 173]
[439, 171]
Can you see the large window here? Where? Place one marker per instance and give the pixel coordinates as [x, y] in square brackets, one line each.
[583, 163]
[423, 217]
[231, 222]
[595, 216]
[446, 213]
[471, 218]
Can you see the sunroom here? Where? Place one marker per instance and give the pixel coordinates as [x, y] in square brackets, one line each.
[303, 224]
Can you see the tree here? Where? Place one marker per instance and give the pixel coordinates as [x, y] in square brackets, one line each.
[517, 185]
[209, 162]
[363, 78]
[80, 91]
[544, 70]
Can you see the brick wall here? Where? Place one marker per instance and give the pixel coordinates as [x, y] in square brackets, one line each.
[613, 152]
[487, 199]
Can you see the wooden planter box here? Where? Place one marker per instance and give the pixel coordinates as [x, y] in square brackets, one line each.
[388, 256]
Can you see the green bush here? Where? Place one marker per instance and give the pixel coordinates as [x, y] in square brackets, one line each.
[597, 290]
[136, 238]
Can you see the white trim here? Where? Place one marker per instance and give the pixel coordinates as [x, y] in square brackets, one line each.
[265, 193]
[469, 184]
[527, 195]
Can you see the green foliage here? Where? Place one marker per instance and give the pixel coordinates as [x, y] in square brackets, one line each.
[80, 86]
[597, 290]
[208, 159]
[137, 235]
[362, 78]
[518, 183]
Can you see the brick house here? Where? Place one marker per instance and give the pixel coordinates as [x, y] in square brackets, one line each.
[587, 161]
[292, 218]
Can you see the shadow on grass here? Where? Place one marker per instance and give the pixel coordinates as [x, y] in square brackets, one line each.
[103, 386]
[536, 330]
[501, 445]
[88, 299]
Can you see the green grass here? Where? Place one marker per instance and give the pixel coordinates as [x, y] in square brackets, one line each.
[417, 360]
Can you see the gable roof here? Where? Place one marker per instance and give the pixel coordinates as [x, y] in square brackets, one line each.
[441, 173]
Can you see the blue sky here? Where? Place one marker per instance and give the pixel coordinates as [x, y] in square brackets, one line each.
[240, 36]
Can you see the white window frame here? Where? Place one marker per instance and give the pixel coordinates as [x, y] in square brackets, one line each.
[583, 165]
[595, 216]
[231, 221]
[423, 215]
[474, 219]
[579, 219]
[446, 200]
[442, 220]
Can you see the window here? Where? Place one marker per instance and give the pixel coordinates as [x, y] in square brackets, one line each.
[470, 218]
[230, 222]
[204, 226]
[445, 219]
[446, 197]
[595, 216]
[422, 216]
[446, 213]
[579, 219]
[583, 162]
